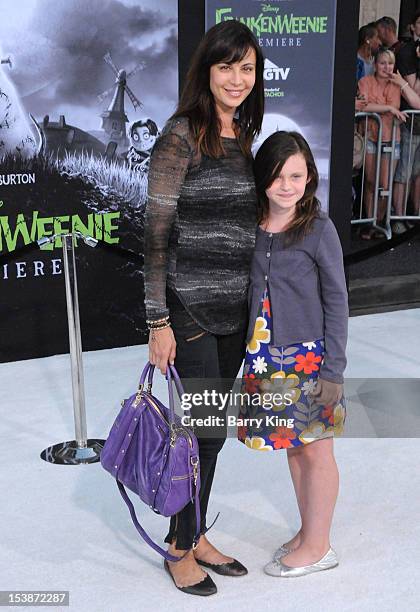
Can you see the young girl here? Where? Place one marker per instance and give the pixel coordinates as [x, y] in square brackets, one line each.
[296, 339]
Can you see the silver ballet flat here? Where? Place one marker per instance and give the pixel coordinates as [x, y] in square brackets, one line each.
[280, 552]
[279, 569]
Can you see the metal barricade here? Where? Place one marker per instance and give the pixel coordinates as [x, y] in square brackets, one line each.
[377, 190]
[388, 191]
[391, 203]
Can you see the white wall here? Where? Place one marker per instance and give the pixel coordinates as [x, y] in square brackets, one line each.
[371, 10]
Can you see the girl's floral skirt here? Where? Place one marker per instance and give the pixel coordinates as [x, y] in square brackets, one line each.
[276, 409]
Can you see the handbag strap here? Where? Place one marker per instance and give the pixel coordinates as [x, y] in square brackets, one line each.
[144, 534]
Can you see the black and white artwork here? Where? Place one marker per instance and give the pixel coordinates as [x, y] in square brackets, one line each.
[85, 89]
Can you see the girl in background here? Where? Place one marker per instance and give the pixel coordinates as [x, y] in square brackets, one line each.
[368, 44]
[296, 343]
[383, 95]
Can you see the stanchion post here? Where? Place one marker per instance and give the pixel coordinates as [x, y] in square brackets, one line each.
[75, 340]
[80, 450]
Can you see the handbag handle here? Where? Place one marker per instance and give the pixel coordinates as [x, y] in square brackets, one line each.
[144, 373]
[149, 370]
[171, 376]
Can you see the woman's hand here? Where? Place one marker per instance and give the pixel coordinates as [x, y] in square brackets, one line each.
[162, 348]
[398, 114]
[327, 392]
[396, 78]
[361, 103]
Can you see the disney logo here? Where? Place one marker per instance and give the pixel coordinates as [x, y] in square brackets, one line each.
[267, 8]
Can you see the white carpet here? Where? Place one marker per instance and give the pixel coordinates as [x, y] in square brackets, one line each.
[66, 527]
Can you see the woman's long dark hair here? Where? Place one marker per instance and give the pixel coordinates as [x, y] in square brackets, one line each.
[228, 42]
[268, 163]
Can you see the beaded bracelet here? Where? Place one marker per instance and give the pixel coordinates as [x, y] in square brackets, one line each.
[153, 330]
[157, 321]
[158, 326]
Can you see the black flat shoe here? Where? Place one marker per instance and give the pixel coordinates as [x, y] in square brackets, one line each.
[204, 588]
[234, 568]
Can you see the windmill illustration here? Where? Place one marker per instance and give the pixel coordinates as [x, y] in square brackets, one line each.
[114, 119]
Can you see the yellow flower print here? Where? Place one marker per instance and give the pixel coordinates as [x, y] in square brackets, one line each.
[257, 443]
[339, 416]
[261, 334]
[315, 431]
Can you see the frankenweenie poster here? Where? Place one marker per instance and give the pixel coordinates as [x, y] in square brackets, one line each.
[85, 88]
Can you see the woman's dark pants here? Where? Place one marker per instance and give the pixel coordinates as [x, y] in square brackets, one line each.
[201, 356]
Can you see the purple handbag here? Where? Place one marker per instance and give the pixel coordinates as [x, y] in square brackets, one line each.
[150, 452]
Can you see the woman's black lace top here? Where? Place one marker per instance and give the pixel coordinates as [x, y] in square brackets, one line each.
[200, 224]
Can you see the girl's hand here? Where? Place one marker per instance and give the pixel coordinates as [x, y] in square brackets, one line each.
[162, 348]
[326, 392]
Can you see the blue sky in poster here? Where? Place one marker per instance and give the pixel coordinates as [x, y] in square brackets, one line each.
[57, 47]
[297, 40]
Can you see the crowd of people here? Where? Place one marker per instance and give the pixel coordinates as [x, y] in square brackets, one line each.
[388, 75]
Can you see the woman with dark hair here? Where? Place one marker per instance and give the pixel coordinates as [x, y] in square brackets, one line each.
[297, 334]
[368, 44]
[199, 235]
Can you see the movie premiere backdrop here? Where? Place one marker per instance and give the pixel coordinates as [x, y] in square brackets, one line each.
[297, 39]
[85, 88]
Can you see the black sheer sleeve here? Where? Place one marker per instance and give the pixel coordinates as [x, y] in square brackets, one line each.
[168, 166]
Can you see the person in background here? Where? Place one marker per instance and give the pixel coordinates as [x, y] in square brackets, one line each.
[415, 28]
[368, 44]
[383, 96]
[387, 31]
[408, 169]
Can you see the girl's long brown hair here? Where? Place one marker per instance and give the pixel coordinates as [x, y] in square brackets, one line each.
[228, 42]
[268, 163]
